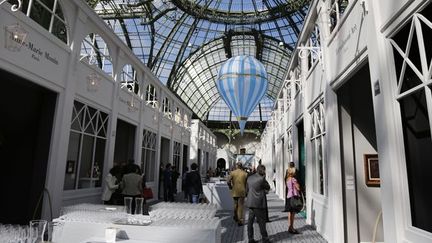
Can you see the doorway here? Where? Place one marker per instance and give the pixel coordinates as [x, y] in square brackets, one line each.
[25, 136]
[165, 151]
[301, 161]
[301, 156]
[360, 171]
[199, 162]
[185, 157]
[124, 143]
[221, 166]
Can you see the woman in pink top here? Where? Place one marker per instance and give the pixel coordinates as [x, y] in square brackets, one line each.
[293, 190]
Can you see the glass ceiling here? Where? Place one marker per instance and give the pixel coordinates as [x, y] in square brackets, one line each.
[220, 111]
[184, 42]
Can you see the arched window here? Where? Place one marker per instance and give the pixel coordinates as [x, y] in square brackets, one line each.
[178, 114]
[185, 120]
[166, 107]
[94, 51]
[148, 154]
[128, 79]
[338, 7]
[151, 96]
[318, 147]
[48, 14]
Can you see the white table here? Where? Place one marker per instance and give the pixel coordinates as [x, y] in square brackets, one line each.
[80, 232]
[102, 240]
[219, 194]
[87, 222]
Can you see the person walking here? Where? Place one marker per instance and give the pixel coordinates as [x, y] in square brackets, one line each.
[237, 179]
[293, 190]
[184, 188]
[193, 184]
[131, 183]
[174, 177]
[143, 185]
[290, 165]
[161, 181]
[167, 184]
[111, 185]
[256, 188]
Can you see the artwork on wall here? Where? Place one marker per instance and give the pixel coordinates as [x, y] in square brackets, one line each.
[70, 167]
[371, 165]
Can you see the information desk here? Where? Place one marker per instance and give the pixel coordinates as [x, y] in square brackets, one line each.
[219, 194]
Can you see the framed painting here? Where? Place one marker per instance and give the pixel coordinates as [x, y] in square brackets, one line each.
[372, 174]
[70, 167]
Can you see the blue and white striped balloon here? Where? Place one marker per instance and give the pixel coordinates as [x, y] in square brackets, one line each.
[242, 82]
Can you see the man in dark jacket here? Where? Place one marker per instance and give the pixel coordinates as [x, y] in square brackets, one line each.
[167, 184]
[256, 188]
[193, 184]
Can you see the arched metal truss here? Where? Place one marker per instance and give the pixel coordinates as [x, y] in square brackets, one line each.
[240, 12]
[195, 79]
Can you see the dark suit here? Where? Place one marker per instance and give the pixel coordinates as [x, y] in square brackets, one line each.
[193, 184]
[167, 186]
[256, 201]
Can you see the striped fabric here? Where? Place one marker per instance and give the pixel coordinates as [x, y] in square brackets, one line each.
[242, 82]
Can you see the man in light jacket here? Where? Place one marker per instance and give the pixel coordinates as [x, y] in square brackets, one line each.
[237, 180]
[256, 189]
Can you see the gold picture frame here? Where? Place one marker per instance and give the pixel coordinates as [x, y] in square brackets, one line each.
[371, 166]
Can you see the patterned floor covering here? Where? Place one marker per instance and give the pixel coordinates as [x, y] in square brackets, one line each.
[277, 228]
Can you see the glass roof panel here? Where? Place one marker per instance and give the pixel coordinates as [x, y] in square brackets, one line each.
[184, 42]
[221, 112]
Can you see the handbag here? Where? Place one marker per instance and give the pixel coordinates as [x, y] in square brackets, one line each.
[147, 193]
[296, 202]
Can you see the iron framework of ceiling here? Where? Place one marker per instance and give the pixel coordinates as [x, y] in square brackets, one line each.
[167, 35]
[228, 16]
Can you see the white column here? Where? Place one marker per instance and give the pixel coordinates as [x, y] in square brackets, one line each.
[61, 127]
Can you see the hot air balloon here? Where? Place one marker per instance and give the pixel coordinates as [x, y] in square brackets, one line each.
[242, 82]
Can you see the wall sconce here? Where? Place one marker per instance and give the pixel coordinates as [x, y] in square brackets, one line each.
[313, 49]
[14, 7]
[132, 105]
[93, 82]
[155, 117]
[15, 37]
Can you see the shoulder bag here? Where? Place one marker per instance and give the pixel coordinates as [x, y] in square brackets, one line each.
[147, 193]
[296, 202]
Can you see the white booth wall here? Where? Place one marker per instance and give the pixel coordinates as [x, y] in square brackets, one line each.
[361, 35]
[58, 66]
[203, 149]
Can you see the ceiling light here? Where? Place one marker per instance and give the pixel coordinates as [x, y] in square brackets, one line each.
[281, 43]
